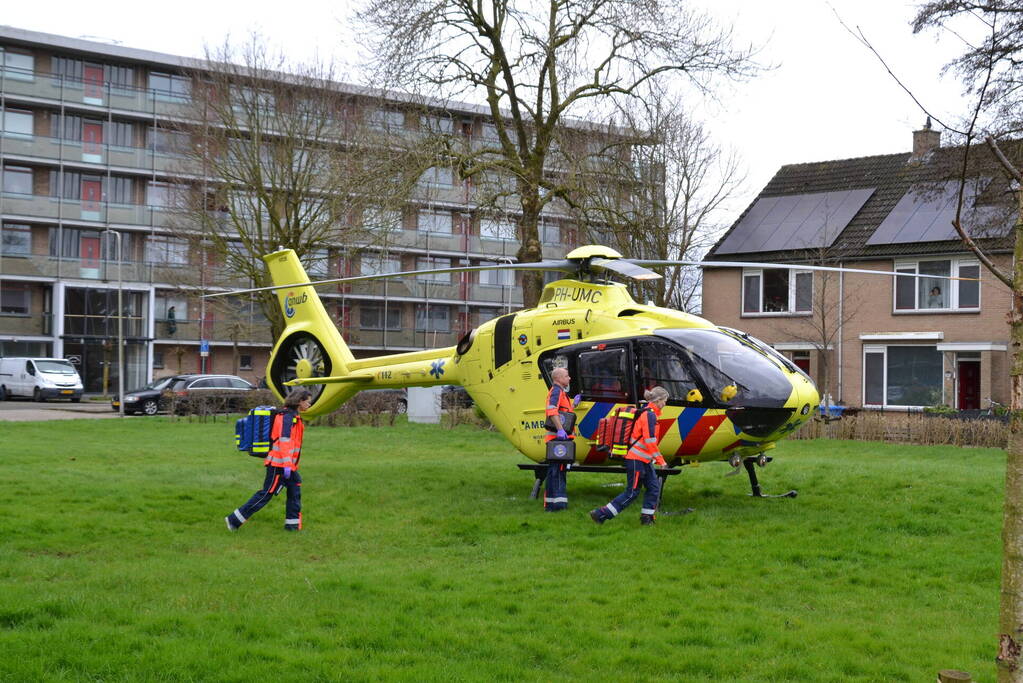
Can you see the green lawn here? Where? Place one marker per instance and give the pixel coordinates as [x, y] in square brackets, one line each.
[424, 559]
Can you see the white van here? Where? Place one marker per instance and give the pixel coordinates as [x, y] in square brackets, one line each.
[39, 378]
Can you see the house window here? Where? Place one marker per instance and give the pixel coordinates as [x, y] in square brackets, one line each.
[497, 230]
[938, 293]
[170, 307]
[169, 87]
[165, 195]
[429, 263]
[433, 319]
[16, 240]
[157, 360]
[14, 299]
[17, 180]
[485, 314]
[438, 175]
[375, 264]
[386, 119]
[18, 123]
[801, 359]
[245, 361]
[550, 234]
[496, 278]
[777, 290]
[435, 221]
[122, 190]
[437, 124]
[317, 263]
[120, 134]
[167, 141]
[18, 66]
[376, 316]
[167, 251]
[902, 376]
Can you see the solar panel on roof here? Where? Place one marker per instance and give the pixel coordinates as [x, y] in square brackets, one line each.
[801, 221]
[925, 214]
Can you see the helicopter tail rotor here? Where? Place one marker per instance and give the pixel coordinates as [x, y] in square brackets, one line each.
[310, 345]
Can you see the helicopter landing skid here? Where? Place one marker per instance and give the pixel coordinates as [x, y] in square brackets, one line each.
[762, 460]
[540, 472]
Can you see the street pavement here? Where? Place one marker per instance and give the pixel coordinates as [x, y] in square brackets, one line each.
[21, 410]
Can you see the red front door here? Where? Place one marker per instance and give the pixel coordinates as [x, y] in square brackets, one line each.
[969, 385]
[92, 138]
[90, 252]
[92, 195]
[93, 81]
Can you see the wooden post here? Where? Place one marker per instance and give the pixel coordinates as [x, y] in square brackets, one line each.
[953, 676]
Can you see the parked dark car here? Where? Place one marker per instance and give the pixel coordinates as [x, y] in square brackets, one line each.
[150, 399]
[382, 400]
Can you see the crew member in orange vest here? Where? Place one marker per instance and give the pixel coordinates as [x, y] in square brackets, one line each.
[639, 463]
[555, 498]
[281, 465]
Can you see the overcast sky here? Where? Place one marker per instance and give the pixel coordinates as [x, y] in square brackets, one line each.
[828, 98]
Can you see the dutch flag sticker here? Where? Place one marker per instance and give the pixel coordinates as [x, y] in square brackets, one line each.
[564, 334]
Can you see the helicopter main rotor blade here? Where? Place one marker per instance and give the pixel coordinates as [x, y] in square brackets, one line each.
[794, 266]
[563, 266]
[627, 268]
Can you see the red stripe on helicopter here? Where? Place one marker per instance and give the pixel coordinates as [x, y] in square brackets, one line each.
[699, 434]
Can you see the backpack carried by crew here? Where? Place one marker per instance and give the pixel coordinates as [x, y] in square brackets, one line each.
[614, 432]
[252, 432]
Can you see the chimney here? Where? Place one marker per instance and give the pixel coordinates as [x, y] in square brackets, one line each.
[925, 141]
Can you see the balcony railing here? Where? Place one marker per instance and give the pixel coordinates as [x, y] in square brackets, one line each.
[74, 151]
[99, 94]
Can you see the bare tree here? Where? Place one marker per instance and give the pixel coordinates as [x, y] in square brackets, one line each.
[659, 192]
[279, 156]
[991, 32]
[536, 66]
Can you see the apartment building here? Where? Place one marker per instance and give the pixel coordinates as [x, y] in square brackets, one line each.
[87, 160]
[889, 343]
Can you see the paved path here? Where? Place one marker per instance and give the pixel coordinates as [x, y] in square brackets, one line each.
[28, 411]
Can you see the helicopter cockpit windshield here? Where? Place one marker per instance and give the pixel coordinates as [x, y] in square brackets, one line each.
[723, 362]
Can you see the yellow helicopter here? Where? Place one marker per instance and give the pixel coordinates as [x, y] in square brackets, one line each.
[732, 396]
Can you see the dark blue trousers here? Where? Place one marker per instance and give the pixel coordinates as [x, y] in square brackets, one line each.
[555, 496]
[272, 485]
[637, 473]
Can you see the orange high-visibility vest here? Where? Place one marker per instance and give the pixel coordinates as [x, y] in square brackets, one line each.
[557, 402]
[286, 449]
[644, 439]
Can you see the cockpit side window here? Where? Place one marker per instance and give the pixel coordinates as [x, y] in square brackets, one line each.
[603, 375]
[662, 364]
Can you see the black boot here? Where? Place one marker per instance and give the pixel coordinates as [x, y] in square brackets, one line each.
[646, 520]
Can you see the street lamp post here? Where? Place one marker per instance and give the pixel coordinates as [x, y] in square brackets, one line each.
[120, 324]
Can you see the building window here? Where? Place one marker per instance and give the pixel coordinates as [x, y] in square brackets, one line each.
[167, 251]
[165, 195]
[376, 316]
[902, 376]
[437, 124]
[777, 290]
[435, 221]
[375, 264]
[441, 176]
[166, 141]
[385, 119]
[317, 263]
[18, 66]
[497, 230]
[14, 299]
[18, 123]
[433, 318]
[17, 240]
[496, 278]
[17, 180]
[120, 134]
[169, 87]
[485, 314]
[157, 360]
[430, 263]
[245, 361]
[938, 293]
[122, 190]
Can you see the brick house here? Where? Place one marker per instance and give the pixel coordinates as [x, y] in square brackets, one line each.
[873, 341]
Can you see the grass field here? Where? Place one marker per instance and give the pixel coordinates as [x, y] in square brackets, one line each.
[424, 559]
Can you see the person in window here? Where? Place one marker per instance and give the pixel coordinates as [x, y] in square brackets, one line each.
[934, 298]
[172, 324]
[281, 465]
[639, 464]
[555, 497]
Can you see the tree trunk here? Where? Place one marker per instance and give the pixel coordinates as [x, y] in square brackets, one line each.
[530, 250]
[1010, 622]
